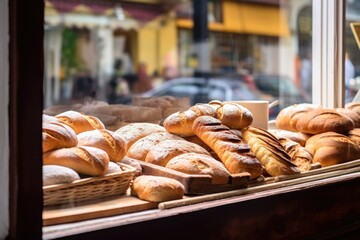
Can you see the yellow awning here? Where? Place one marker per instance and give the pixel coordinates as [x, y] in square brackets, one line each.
[248, 19]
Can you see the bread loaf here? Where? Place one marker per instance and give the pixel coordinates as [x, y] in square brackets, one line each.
[354, 135]
[354, 106]
[350, 114]
[294, 136]
[332, 148]
[162, 152]
[195, 139]
[268, 149]
[54, 174]
[180, 123]
[234, 115]
[317, 121]
[48, 118]
[288, 117]
[196, 163]
[134, 131]
[141, 147]
[113, 168]
[157, 189]
[112, 143]
[80, 122]
[84, 160]
[56, 135]
[232, 151]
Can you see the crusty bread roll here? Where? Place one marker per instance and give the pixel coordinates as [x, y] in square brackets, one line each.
[141, 147]
[268, 149]
[354, 135]
[57, 135]
[332, 148]
[234, 115]
[80, 122]
[134, 131]
[156, 188]
[294, 136]
[84, 160]
[196, 163]
[231, 150]
[112, 143]
[287, 118]
[55, 174]
[162, 152]
[299, 155]
[317, 121]
[180, 123]
[113, 168]
[350, 114]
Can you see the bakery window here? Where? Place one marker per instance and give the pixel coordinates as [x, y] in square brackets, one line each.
[114, 161]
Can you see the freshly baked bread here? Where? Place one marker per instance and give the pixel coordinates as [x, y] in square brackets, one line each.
[332, 148]
[80, 122]
[231, 150]
[354, 106]
[287, 118]
[134, 131]
[268, 149]
[234, 115]
[113, 168]
[112, 143]
[195, 139]
[196, 163]
[54, 174]
[48, 118]
[354, 135]
[57, 135]
[350, 114]
[180, 123]
[162, 152]
[141, 147]
[157, 188]
[294, 136]
[133, 163]
[299, 155]
[317, 121]
[215, 104]
[84, 160]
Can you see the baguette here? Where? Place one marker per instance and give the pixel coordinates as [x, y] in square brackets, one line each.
[231, 150]
[269, 151]
[294, 136]
[180, 123]
[57, 135]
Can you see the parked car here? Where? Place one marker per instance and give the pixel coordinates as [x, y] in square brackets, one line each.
[282, 89]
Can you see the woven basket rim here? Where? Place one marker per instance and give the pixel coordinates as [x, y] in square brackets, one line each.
[127, 170]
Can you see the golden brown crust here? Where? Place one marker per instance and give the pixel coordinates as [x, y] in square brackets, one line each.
[196, 163]
[294, 136]
[234, 115]
[350, 114]
[354, 106]
[162, 152]
[85, 160]
[112, 143]
[141, 147]
[156, 188]
[324, 120]
[354, 135]
[232, 151]
[80, 122]
[57, 135]
[180, 123]
[299, 155]
[269, 151]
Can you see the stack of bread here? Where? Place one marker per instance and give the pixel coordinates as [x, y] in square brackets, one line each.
[329, 135]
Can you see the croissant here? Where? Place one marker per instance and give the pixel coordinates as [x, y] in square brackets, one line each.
[231, 149]
[268, 149]
[180, 123]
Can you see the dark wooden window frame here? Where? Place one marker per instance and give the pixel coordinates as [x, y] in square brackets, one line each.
[319, 210]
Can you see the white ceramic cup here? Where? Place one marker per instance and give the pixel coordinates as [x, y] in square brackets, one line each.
[259, 110]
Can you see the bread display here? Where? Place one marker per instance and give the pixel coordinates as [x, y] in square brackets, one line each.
[80, 122]
[84, 160]
[162, 152]
[157, 188]
[134, 131]
[288, 117]
[141, 147]
[196, 163]
[56, 135]
[268, 149]
[55, 174]
[232, 151]
[180, 123]
[234, 115]
[294, 136]
[112, 143]
[332, 148]
[317, 121]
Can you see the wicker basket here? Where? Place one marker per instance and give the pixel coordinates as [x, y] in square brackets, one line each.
[89, 188]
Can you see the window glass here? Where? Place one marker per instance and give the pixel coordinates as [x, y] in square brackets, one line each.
[108, 58]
